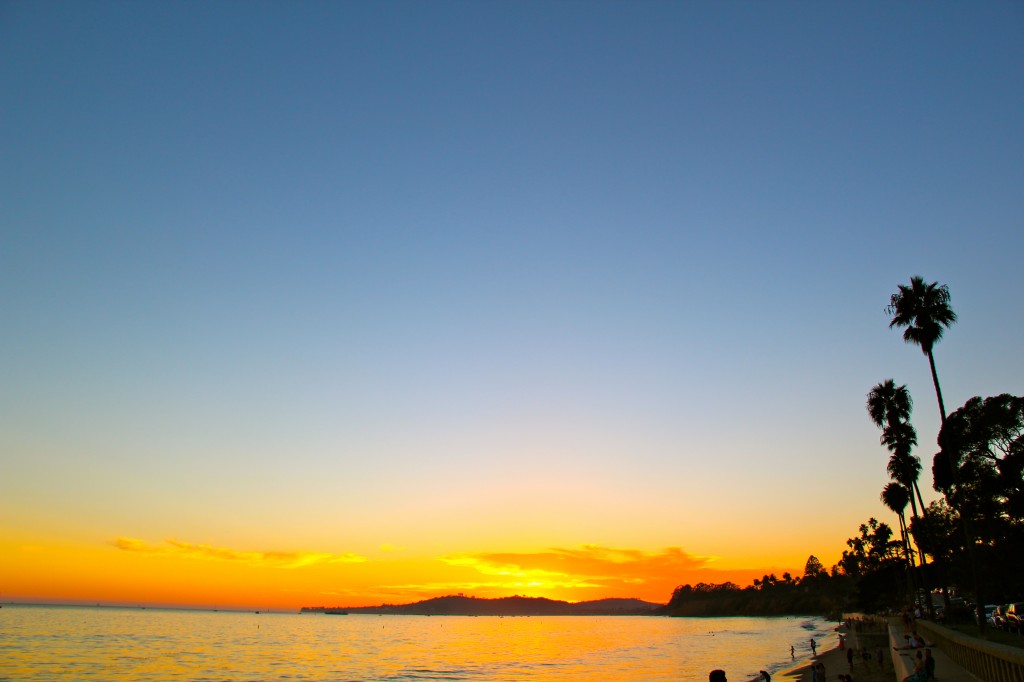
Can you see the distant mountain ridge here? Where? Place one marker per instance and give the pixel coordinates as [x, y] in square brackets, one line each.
[459, 605]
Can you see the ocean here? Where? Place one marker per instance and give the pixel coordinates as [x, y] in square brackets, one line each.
[40, 643]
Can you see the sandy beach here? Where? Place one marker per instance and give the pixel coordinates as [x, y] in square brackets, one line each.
[836, 663]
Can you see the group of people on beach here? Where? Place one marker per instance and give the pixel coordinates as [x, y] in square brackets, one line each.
[924, 669]
[852, 653]
[817, 670]
[718, 675]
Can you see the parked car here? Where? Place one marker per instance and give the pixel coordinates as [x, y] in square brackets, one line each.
[989, 610]
[1015, 616]
[999, 617]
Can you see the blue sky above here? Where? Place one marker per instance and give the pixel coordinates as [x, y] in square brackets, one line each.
[641, 251]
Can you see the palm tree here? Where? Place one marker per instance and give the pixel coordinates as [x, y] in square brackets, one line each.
[895, 497]
[924, 310]
[905, 469]
[889, 404]
[889, 407]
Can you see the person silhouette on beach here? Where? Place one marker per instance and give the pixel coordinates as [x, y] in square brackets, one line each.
[716, 676]
[814, 647]
[792, 652]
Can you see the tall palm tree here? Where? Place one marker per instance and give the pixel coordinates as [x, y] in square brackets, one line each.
[924, 311]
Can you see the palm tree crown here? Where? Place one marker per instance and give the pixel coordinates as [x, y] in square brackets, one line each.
[905, 469]
[889, 404]
[900, 438]
[924, 310]
[895, 497]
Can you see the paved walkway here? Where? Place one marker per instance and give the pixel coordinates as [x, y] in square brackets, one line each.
[903, 661]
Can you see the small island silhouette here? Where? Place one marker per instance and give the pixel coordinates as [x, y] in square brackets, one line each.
[460, 605]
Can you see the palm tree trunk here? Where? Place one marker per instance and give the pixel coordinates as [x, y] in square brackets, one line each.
[965, 524]
[905, 536]
[937, 561]
[920, 552]
[917, 489]
[938, 391]
[908, 554]
[913, 505]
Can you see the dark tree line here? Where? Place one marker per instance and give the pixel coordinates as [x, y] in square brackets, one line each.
[816, 591]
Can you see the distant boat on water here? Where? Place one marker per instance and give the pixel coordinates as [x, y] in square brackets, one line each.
[335, 612]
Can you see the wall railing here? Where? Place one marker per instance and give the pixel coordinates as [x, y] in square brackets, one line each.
[989, 661]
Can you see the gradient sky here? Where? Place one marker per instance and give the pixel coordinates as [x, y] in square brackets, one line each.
[346, 303]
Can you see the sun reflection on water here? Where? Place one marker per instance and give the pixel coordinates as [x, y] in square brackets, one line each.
[61, 643]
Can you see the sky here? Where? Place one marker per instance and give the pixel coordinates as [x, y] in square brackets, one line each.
[369, 302]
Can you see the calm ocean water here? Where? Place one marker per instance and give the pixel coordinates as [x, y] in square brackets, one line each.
[40, 643]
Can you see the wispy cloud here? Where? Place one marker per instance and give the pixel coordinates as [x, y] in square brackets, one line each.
[588, 566]
[174, 547]
[593, 560]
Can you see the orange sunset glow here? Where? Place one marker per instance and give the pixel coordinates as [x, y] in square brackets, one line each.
[132, 571]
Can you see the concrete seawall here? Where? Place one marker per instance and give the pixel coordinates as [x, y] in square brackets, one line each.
[987, 661]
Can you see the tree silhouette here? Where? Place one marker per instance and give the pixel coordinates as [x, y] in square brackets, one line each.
[923, 310]
[904, 467]
[889, 407]
[984, 443]
[895, 496]
[813, 568]
[889, 404]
